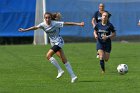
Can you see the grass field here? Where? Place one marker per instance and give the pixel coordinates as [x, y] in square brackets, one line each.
[24, 69]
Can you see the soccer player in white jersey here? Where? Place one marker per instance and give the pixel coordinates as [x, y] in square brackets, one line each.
[52, 28]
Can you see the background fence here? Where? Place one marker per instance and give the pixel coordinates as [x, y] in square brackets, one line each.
[21, 13]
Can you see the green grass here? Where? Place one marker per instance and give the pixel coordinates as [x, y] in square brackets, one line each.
[24, 69]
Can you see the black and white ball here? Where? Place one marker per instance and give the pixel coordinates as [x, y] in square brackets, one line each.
[122, 69]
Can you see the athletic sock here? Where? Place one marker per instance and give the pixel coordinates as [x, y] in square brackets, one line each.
[102, 64]
[55, 63]
[69, 69]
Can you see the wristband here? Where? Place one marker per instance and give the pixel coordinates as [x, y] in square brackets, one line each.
[108, 37]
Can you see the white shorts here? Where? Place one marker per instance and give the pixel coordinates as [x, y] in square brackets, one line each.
[58, 41]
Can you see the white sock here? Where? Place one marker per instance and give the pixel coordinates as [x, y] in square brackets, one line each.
[55, 63]
[69, 69]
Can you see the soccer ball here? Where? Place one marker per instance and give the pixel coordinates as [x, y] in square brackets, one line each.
[122, 69]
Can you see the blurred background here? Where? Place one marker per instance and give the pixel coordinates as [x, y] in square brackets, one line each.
[23, 13]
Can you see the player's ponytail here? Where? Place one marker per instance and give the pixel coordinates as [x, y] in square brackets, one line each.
[56, 16]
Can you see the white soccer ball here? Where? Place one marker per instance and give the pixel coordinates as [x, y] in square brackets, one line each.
[122, 69]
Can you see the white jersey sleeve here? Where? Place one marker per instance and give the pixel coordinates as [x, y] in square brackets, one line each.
[41, 25]
[58, 24]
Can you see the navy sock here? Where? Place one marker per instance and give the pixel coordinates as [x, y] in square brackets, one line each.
[102, 65]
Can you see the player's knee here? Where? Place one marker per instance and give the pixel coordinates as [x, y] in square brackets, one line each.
[48, 56]
[64, 60]
[101, 57]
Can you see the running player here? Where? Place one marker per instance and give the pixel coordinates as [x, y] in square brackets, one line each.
[52, 28]
[103, 32]
[98, 16]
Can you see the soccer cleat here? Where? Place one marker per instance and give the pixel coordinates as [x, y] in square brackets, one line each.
[60, 74]
[103, 72]
[74, 79]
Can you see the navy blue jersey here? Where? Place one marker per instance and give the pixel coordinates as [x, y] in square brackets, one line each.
[104, 30]
[98, 16]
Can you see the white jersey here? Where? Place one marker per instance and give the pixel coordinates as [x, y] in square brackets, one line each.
[53, 32]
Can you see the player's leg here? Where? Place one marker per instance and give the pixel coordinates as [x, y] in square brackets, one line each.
[107, 51]
[62, 56]
[49, 54]
[100, 48]
[107, 56]
[101, 57]
[97, 56]
[50, 57]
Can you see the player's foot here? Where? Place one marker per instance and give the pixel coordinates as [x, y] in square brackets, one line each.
[74, 79]
[103, 72]
[60, 74]
[97, 56]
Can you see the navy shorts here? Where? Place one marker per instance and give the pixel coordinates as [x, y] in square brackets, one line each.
[56, 48]
[105, 46]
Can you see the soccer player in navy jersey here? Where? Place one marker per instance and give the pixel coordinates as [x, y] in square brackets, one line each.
[103, 32]
[52, 28]
[98, 16]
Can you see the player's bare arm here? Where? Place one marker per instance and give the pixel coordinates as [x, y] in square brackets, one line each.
[113, 34]
[74, 23]
[138, 23]
[95, 34]
[93, 22]
[28, 29]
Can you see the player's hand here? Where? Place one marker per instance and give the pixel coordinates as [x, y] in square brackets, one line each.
[138, 23]
[21, 30]
[82, 24]
[104, 37]
[96, 37]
